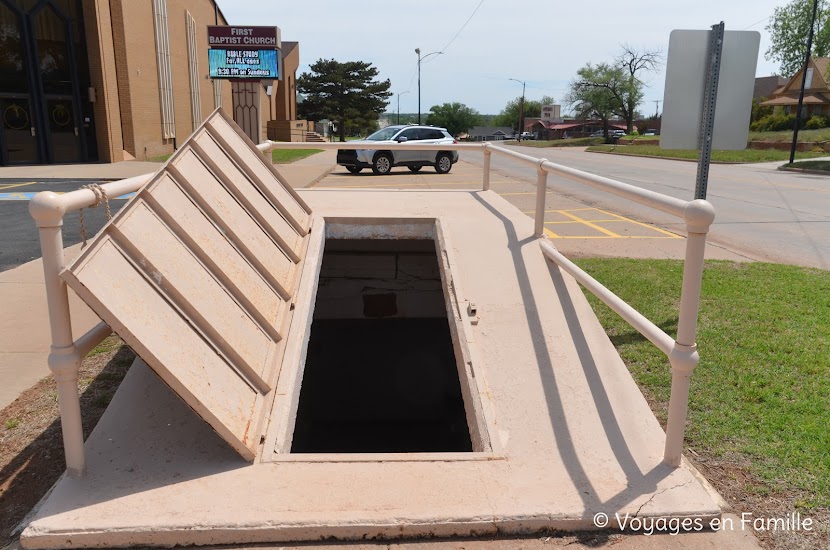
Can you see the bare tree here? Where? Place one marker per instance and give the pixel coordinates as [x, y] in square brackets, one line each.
[634, 62]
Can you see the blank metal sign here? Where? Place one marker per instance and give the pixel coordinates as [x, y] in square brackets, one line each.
[196, 274]
[685, 80]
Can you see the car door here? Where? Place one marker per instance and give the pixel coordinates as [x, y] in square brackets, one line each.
[430, 136]
[412, 135]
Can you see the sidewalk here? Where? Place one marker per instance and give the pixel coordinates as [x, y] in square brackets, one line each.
[25, 338]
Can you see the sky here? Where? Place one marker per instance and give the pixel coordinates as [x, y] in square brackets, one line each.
[540, 42]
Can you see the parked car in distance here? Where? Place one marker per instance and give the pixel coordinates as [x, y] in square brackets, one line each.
[528, 135]
[650, 133]
[381, 162]
[617, 133]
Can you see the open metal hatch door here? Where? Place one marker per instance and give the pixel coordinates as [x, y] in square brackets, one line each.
[196, 273]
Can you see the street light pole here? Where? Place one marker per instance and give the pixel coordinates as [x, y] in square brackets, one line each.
[418, 51]
[399, 105]
[521, 108]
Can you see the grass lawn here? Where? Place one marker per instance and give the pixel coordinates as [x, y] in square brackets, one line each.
[821, 165]
[759, 397]
[575, 142]
[161, 158]
[746, 155]
[286, 156]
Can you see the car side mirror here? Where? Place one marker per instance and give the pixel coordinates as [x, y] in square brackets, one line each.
[401, 139]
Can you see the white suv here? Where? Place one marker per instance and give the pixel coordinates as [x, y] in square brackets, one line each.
[381, 162]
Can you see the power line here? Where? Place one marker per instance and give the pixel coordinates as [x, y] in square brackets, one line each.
[464, 26]
[759, 21]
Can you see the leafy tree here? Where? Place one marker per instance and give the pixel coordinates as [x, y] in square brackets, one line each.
[455, 117]
[788, 29]
[509, 116]
[591, 95]
[345, 93]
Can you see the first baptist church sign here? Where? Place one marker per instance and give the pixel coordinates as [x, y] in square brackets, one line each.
[244, 52]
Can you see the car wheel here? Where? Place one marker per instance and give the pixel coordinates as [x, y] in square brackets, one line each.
[382, 164]
[443, 163]
[414, 168]
[354, 169]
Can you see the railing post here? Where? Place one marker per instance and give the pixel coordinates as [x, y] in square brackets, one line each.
[699, 215]
[541, 195]
[487, 155]
[64, 361]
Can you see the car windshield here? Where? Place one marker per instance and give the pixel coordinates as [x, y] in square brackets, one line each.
[383, 135]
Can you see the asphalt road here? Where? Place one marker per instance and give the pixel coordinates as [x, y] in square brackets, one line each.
[18, 232]
[763, 213]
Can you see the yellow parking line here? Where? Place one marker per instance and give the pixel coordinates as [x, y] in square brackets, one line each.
[17, 185]
[591, 225]
[592, 221]
[623, 218]
[617, 237]
[550, 233]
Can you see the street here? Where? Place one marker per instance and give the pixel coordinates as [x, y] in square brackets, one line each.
[762, 212]
[18, 232]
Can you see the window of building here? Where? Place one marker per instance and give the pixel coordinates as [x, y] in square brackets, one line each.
[809, 82]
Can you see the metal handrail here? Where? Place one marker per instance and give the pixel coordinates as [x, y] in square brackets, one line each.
[48, 210]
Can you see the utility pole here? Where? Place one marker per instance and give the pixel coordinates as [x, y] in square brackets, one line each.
[521, 108]
[803, 82]
[657, 107]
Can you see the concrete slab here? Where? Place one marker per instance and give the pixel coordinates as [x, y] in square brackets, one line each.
[574, 435]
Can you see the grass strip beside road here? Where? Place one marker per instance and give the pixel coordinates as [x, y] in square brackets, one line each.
[742, 156]
[287, 156]
[818, 165]
[759, 396]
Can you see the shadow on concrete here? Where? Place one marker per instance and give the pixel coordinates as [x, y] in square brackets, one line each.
[639, 484]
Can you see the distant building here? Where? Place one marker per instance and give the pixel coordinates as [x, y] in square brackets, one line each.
[766, 85]
[490, 133]
[816, 91]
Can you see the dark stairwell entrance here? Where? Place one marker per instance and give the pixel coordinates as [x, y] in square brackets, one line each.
[381, 373]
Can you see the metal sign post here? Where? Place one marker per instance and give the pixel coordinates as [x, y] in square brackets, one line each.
[707, 119]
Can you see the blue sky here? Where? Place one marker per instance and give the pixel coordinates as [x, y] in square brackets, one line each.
[542, 42]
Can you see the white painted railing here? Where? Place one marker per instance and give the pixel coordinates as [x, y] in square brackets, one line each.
[48, 210]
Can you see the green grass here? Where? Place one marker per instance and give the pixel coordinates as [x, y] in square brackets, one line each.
[12, 423]
[759, 397]
[745, 155]
[821, 165]
[161, 158]
[822, 134]
[286, 156]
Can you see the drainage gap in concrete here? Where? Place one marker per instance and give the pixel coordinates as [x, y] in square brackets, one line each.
[380, 373]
